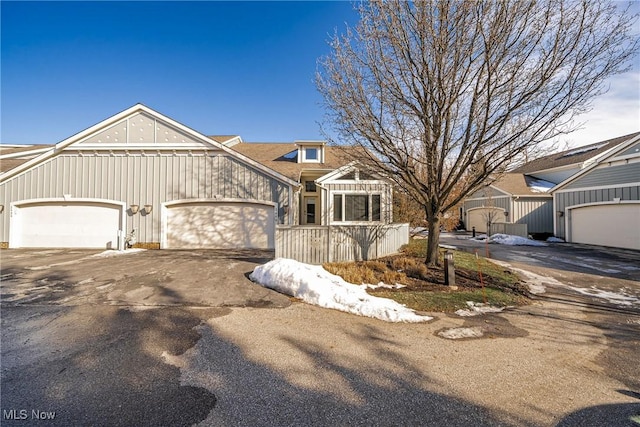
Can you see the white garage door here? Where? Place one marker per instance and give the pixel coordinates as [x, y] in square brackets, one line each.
[67, 225]
[220, 225]
[479, 217]
[615, 225]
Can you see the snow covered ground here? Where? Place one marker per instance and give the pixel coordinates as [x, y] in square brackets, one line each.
[315, 285]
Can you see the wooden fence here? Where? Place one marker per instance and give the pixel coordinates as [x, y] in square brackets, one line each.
[320, 244]
[507, 228]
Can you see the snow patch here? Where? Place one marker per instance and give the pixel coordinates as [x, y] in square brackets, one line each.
[554, 239]
[507, 239]
[535, 282]
[111, 253]
[315, 285]
[613, 297]
[459, 333]
[476, 309]
[383, 285]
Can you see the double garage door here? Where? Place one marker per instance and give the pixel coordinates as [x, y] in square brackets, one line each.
[615, 225]
[220, 225]
[66, 225]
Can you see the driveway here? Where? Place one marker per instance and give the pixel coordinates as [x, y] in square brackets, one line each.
[571, 257]
[184, 338]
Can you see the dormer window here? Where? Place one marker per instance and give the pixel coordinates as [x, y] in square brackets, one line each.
[311, 154]
[310, 151]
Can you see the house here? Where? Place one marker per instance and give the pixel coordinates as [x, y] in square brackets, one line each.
[515, 198]
[538, 194]
[177, 188]
[600, 204]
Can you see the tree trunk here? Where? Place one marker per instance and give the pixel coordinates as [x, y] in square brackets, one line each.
[432, 242]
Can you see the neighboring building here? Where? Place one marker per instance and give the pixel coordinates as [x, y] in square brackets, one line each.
[539, 192]
[140, 170]
[514, 198]
[600, 205]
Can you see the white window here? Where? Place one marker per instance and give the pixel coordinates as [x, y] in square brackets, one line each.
[356, 207]
[311, 154]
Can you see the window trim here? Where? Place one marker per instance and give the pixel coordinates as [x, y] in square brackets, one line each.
[318, 151]
[370, 207]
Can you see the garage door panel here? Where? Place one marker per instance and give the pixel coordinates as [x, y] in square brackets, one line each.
[478, 218]
[70, 225]
[615, 225]
[220, 225]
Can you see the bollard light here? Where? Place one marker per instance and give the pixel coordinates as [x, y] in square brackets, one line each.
[449, 269]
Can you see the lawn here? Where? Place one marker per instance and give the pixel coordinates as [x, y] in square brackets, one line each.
[477, 280]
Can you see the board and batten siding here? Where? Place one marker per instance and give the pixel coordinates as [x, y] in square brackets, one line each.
[502, 202]
[143, 178]
[536, 212]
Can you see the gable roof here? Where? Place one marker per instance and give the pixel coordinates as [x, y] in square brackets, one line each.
[572, 156]
[518, 184]
[88, 138]
[631, 139]
[15, 155]
[275, 156]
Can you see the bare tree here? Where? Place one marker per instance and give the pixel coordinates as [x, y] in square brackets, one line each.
[445, 95]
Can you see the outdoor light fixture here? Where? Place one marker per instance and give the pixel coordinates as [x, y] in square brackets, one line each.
[1, 208]
[506, 214]
[560, 213]
[134, 209]
[285, 209]
[148, 209]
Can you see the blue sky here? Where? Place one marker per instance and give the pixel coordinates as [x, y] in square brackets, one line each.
[242, 68]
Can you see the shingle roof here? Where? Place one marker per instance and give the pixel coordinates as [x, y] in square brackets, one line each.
[222, 138]
[272, 155]
[27, 153]
[572, 156]
[518, 184]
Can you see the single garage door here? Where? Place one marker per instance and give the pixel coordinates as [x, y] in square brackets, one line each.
[615, 225]
[220, 225]
[479, 217]
[67, 225]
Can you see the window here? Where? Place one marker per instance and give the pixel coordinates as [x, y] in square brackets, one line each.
[311, 154]
[310, 186]
[337, 207]
[356, 207]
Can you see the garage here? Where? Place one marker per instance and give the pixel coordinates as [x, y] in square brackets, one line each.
[220, 225]
[615, 225]
[479, 217]
[66, 224]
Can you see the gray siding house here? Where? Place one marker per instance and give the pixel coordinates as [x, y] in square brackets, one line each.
[600, 205]
[515, 198]
[177, 188]
[584, 195]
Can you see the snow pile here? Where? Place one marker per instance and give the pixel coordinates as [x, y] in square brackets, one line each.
[478, 308]
[459, 333]
[314, 285]
[554, 239]
[506, 239]
[111, 253]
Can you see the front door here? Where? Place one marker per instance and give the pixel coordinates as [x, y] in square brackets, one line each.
[310, 210]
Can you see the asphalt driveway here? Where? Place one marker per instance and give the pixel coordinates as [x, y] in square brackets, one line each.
[183, 338]
[200, 278]
[570, 257]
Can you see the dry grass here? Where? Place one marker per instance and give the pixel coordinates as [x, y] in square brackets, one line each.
[424, 288]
